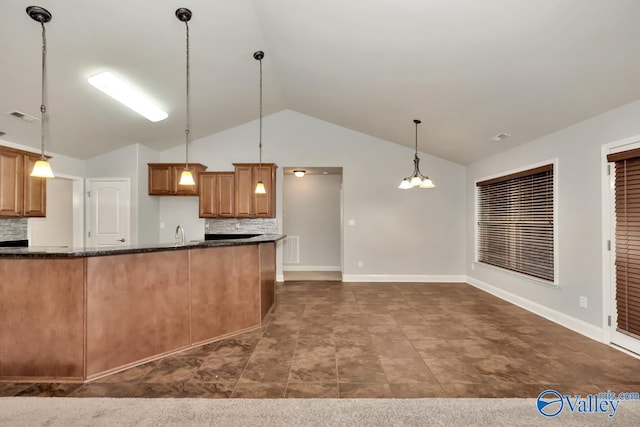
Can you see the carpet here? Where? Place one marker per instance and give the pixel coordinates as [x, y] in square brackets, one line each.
[32, 411]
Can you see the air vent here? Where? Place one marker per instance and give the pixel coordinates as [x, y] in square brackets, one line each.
[499, 137]
[2, 133]
[22, 116]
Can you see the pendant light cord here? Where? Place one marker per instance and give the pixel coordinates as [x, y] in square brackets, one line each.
[43, 107]
[260, 122]
[188, 120]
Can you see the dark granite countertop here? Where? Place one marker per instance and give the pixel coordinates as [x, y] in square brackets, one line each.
[70, 252]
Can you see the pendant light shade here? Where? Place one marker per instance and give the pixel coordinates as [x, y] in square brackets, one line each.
[42, 168]
[416, 180]
[260, 188]
[186, 178]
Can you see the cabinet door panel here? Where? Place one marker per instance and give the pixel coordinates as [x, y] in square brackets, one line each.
[263, 203]
[244, 187]
[35, 190]
[226, 195]
[11, 181]
[207, 203]
[160, 178]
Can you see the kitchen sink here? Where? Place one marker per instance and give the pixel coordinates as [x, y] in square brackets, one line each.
[229, 236]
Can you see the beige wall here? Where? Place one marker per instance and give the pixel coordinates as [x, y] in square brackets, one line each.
[57, 228]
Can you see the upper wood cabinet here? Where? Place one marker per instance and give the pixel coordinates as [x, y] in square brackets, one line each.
[248, 204]
[21, 195]
[217, 195]
[164, 179]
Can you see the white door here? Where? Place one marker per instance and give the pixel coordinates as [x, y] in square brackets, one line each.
[110, 210]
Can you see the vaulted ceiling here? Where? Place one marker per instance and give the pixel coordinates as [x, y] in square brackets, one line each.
[470, 69]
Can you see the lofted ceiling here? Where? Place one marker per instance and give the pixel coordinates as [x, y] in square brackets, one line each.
[469, 69]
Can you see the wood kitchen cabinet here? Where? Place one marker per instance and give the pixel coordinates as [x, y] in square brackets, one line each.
[217, 195]
[164, 179]
[248, 204]
[21, 195]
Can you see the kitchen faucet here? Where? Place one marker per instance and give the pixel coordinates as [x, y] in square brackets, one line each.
[180, 235]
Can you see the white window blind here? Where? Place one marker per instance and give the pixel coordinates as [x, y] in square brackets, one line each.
[516, 222]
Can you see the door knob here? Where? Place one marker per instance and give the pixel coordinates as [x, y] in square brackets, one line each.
[121, 240]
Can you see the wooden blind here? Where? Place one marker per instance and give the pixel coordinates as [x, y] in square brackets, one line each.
[515, 222]
[627, 211]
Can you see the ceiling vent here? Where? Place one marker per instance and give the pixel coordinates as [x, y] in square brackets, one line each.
[499, 137]
[22, 116]
[2, 133]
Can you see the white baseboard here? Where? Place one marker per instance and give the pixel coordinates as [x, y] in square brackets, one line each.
[576, 325]
[420, 278]
[279, 277]
[289, 267]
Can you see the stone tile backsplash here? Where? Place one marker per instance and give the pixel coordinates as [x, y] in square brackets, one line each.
[240, 226]
[13, 228]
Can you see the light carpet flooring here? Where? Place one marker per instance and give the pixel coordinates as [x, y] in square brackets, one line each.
[54, 412]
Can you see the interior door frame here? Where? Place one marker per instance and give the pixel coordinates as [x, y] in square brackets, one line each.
[608, 235]
[87, 204]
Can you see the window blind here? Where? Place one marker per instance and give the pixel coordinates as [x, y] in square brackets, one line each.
[627, 263]
[515, 222]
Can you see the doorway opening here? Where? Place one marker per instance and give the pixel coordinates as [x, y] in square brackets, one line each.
[313, 222]
[64, 224]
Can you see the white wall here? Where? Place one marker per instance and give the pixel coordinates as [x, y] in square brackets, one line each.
[579, 212]
[131, 162]
[311, 211]
[396, 232]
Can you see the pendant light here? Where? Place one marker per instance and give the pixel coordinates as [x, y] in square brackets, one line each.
[186, 178]
[417, 179]
[260, 189]
[42, 168]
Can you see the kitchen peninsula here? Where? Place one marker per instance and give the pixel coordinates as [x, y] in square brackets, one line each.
[73, 315]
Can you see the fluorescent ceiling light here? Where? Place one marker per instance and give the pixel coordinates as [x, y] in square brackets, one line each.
[127, 95]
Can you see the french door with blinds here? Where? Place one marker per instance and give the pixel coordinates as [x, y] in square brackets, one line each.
[625, 322]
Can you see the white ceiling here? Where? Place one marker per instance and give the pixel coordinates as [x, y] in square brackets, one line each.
[469, 69]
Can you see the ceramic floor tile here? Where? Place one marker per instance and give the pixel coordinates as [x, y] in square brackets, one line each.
[266, 370]
[403, 371]
[259, 391]
[326, 390]
[329, 339]
[417, 390]
[369, 391]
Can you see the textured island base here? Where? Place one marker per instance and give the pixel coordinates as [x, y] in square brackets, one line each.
[16, 411]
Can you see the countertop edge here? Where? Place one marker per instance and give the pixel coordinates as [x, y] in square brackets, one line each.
[53, 252]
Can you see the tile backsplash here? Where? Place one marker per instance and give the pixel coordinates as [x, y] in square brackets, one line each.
[13, 228]
[239, 226]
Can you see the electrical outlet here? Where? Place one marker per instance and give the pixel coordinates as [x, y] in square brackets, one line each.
[206, 225]
[583, 302]
[352, 222]
[360, 264]
[473, 266]
[161, 225]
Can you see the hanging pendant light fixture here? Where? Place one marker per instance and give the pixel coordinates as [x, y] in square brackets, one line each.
[186, 178]
[260, 189]
[42, 168]
[417, 179]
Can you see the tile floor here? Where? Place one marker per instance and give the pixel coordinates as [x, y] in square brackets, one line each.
[328, 339]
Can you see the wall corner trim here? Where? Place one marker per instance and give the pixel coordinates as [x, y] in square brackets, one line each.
[576, 325]
[419, 278]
